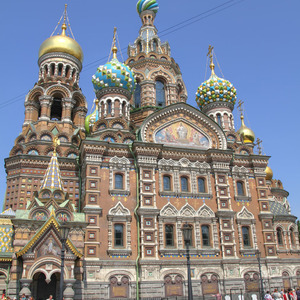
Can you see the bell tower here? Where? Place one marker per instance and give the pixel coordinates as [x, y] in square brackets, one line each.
[54, 107]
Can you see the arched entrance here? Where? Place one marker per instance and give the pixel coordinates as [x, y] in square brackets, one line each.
[41, 290]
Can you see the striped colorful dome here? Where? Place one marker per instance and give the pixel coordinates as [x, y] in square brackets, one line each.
[114, 74]
[143, 5]
[215, 89]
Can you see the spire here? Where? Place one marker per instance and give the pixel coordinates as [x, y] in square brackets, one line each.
[247, 135]
[210, 54]
[52, 178]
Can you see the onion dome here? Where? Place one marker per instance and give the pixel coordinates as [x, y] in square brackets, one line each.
[61, 43]
[269, 173]
[143, 5]
[91, 119]
[114, 75]
[246, 133]
[215, 89]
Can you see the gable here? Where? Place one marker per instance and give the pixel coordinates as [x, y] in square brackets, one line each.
[182, 125]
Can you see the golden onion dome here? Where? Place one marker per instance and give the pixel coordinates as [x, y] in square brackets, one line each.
[61, 43]
[269, 173]
[246, 133]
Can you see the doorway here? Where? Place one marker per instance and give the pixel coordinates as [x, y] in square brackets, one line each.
[41, 290]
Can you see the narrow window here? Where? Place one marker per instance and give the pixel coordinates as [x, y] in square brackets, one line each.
[167, 183]
[240, 188]
[109, 107]
[246, 236]
[201, 185]
[184, 184]
[56, 109]
[169, 235]
[292, 236]
[137, 95]
[60, 68]
[119, 235]
[154, 45]
[119, 182]
[279, 236]
[140, 47]
[160, 94]
[52, 69]
[205, 235]
[219, 120]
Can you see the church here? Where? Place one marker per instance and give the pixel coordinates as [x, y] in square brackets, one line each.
[127, 177]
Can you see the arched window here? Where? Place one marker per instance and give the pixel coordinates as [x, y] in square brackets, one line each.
[160, 93]
[137, 95]
[169, 235]
[292, 236]
[219, 120]
[201, 185]
[246, 236]
[240, 188]
[140, 46]
[184, 184]
[52, 69]
[118, 235]
[205, 235]
[279, 236]
[109, 107]
[167, 183]
[154, 45]
[60, 68]
[119, 182]
[56, 109]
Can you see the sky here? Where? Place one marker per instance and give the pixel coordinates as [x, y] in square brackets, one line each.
[256, 43]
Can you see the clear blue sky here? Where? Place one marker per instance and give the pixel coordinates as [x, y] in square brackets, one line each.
[256, 42]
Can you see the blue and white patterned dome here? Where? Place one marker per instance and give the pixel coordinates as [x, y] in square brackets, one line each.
[114, 74]
[143, 5]
[215, 89]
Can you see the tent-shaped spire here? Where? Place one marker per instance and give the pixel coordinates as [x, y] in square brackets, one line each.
[52, 178]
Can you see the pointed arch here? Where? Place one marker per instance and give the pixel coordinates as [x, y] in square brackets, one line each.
[169, 210]
[187, 211]
[205, 212]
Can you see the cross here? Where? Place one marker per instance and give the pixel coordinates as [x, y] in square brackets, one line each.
[240, 106]
[210, 50]
[65, 13]
[258, 144]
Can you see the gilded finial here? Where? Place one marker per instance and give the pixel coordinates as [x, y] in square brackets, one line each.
[114, 48]
[56, 142]
[210, 54]
[258, 144]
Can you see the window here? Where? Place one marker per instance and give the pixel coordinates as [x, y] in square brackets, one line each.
[169, 235]
[137, 95]
[119, 236]
[205, 235]
[154, 45]
[119, 182]
[201, 185]
[140, 47]
[246, 236]
[292, 236]
[184, 184]
[240, 188]
[219, 120]
[167, 183]
[56, 109]
[279, 236]
[109, 107]
[160, 94]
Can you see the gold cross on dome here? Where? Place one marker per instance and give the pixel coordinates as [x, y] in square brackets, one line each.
[258, 143]
[210, 50]
[240, 106]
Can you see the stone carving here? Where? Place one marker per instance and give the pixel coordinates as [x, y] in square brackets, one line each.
[205, 211]
[245, 214]
[187, 211]
[169, 210]
[119, 210]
